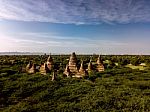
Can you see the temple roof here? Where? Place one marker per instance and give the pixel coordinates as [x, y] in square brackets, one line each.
[50, 59]
[99, 61]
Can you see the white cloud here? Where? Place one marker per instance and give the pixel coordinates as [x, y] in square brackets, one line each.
[60, 44]
[76, 11]
[52, 41]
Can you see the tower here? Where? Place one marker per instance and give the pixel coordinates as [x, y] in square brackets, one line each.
[50, 64]
[100, 66]
[54, 76]
[29, 65]
[82, 71]
[44, 69]
[67, 71]
[31, 68]
[73, 64]
[90, 66]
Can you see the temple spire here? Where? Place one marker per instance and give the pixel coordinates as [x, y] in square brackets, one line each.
[50, 64]
[67, 71]
[50, 59]
[100, 66]
[99, 60]
[73, 63]
[81, 66]
[29, 65]
[82, 71]
[90, 66]
[44, 69]
[30, 68]
[54, 76]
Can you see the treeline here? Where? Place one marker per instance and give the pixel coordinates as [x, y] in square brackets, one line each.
[110, 61]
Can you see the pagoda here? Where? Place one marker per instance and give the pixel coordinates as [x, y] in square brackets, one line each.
[67, 71]
[50, 64]
[71, 68]
[31, 68]
[100, 66]
[44, 69]
[82, 71]
[73, 64]
[29, 65]
[54, 76]
[90, 66]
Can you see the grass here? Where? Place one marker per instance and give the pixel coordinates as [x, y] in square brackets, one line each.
[140, 67]
[119, 92]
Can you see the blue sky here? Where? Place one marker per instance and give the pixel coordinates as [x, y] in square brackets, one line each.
[83, 26]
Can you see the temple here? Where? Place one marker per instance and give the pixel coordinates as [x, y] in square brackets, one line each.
[29, 65]
[67, 71]
[47, 67]
[71, 69]
[44, 69]
[54, 76]
[82, 71]
[100, 66]
[30, 68]
[50, 64]
[73, 64]
[90, 67]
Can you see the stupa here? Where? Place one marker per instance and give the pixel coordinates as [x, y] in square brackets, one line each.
[100, 66]
[67, 71]
[44, 69]
[90, 66]
[29, 65]
[31, 68]
[82, 71]
[50, 64]
[54, 76]
[73, 64]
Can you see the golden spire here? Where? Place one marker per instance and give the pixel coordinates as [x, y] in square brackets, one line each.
[90, 66]
[50, 59]
[53, 76]
[67, 71]
[99, 61]
[81, 66]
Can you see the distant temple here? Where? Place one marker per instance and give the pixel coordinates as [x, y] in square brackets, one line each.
[71, 69]
[67, 71]
[30, 68]
[44, 69]
[90, 67]
[29, 65]
[73, 64]
[54, 76]
[47, 67]
[100, 66]
[82, 71]
[50, 63]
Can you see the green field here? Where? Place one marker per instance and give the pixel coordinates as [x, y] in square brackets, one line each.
[118, 89]
[136, 67]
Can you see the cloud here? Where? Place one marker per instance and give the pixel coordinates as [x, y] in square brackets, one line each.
[61, 44]
[76, 11]
[29, 39]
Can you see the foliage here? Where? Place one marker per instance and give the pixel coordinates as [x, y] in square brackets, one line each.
[108, 92]
[114, 90]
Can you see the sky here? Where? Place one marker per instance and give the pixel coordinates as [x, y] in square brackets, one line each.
[81, 26]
